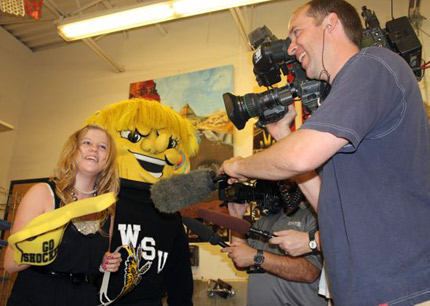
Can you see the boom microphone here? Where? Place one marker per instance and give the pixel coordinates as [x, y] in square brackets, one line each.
[235, 224]
[204, 232]
[172, 194]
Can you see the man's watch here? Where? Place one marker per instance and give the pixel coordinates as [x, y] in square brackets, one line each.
[313, 245]
[258, 259]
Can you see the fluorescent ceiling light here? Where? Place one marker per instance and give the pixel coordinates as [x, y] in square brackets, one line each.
[137, 16]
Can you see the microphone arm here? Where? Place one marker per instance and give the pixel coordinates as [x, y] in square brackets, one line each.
[232, 223]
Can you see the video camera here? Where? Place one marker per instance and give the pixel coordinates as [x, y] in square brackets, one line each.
[398, 36]
[271, 59]
[270, 196]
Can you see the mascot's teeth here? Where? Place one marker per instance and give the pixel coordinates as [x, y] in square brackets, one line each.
[156, 175]
[150, 159]
[154, 166]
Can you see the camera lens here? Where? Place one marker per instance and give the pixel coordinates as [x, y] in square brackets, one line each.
[241, 108]
[235, 110]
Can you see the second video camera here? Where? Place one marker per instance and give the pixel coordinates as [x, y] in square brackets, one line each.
[270, 61]
[270, 196]
[398, 36]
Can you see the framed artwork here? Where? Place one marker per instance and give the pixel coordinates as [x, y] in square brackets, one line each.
[17, 190]
[197, 96]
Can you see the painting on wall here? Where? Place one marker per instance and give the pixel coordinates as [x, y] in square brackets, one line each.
[197, 96]
[17, 190]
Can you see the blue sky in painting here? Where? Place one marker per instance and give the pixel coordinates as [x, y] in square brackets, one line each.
[202, 90]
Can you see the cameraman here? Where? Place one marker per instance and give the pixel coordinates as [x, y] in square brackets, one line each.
[372, 139]
[280, 279]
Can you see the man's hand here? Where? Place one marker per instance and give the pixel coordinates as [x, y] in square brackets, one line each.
[230, 167]
[293, 242]
[281, 128]
[241, 254]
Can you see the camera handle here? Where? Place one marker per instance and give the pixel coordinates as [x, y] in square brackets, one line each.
[220, 178]
[259, 232]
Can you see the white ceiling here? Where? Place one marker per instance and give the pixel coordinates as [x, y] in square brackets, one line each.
[42, 34]
[39, 35]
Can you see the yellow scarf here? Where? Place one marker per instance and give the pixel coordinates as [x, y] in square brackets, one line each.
[37, 243]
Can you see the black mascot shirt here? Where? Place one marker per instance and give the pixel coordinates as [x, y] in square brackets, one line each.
[161, 247]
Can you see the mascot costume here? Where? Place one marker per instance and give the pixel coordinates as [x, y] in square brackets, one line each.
[153, 143]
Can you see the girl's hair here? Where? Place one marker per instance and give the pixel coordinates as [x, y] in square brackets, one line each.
[64, 174]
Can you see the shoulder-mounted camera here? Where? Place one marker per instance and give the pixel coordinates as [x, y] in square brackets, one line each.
[271, 61]
[270, 196]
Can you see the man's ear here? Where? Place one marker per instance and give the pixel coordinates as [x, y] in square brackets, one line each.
[330, 22]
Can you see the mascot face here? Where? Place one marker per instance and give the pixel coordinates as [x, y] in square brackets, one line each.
[148, 154]
[153, 141]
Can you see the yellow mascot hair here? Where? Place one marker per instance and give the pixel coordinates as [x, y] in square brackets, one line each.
[133, 113]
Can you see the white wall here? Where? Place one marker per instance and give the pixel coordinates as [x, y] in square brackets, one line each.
[15, 74]
[49, 94]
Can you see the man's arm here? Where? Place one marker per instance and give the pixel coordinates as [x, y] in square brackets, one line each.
[296, 269]
[295, 155]
[310, 184]
[300, 152]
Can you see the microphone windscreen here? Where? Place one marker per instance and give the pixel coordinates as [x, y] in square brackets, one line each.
[238, 225]
[179, 191]
[205, 233]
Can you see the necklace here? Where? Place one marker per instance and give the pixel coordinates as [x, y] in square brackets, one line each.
[75, 197]
[83, 226]
[87, 192]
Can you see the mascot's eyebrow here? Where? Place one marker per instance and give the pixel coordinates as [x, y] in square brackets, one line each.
[140, 133]
[135, 131]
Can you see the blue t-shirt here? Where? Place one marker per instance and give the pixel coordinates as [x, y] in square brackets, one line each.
[374, 209]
